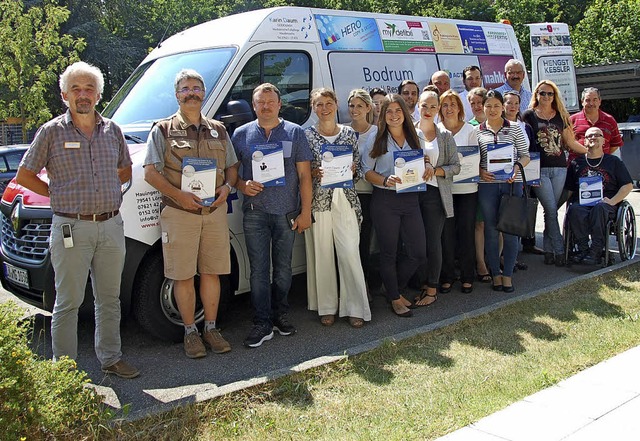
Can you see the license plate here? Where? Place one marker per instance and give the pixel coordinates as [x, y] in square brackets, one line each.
[16, 275]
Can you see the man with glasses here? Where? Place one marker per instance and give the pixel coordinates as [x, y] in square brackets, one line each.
[591, 220]
[515, 73]
[592, 116]
[272, 214]
[195, 236]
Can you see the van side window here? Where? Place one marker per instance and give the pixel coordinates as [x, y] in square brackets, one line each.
[290, 72]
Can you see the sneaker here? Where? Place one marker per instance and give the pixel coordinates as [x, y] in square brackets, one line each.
[122, 369]
[193, 346]
[258, 335]
[215, 341]
[282, 325]
[593, 258]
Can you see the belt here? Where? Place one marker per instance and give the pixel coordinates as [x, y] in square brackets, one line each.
[202, 211]
[89, 217]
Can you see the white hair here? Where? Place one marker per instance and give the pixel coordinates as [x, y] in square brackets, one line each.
[514, 61]
[80, 68]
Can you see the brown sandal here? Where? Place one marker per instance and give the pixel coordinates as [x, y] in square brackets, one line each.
[421, 300]
[327, 320]
[356, 322]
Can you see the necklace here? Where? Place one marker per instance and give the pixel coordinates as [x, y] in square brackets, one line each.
[333, 132]
[541, 116]
[593, 166]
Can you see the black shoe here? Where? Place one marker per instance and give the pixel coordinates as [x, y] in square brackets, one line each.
[532, 250]
[560, 260]
[282, 325]
[592, 259]
[549, 259]
[445, 289]
[466, 289]
[258, 335]
[508, 289]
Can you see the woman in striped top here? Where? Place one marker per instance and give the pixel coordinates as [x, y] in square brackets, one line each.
[497, 130]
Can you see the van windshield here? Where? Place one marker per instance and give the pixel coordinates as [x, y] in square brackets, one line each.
[148, 94]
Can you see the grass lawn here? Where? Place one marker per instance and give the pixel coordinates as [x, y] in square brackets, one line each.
[429, 385]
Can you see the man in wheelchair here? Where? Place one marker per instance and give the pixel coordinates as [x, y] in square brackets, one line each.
[597, 183]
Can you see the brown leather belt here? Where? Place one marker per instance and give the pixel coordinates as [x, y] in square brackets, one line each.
[202, 211]
[89, 217]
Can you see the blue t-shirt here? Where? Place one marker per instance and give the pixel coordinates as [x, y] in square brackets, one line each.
[273, 200]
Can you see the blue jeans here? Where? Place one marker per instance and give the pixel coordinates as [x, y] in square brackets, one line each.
[548, 193]
[269, 238]
[489, 197]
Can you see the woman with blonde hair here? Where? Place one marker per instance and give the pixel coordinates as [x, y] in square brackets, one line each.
[436, 204]
[552, 136]
[336, 230]
[361, 111]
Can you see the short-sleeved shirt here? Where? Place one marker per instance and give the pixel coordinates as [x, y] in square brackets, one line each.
[613, 171]
[525, 95]
[82, 172]
[510, 133]
[547, 138]
[606, 123]
[278, 199]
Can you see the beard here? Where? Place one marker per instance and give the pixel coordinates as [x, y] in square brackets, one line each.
[84, 106]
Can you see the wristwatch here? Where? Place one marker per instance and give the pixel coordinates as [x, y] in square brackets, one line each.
[229, 185]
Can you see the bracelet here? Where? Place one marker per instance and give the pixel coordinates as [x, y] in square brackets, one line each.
[384, 181]
[229, 185]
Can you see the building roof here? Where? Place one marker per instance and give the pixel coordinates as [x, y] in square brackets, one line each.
[613, 80]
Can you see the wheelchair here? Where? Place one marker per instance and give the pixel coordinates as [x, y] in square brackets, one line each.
[623, 227]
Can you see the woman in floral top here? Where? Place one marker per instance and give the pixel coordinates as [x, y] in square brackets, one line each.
[337, 228]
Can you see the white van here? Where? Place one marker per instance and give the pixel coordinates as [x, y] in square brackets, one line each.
[297, 49]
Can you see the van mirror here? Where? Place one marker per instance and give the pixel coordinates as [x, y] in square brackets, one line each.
[238, 112]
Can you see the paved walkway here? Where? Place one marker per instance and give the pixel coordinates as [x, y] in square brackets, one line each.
[601, 403]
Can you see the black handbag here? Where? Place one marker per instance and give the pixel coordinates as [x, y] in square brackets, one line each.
[517, 214]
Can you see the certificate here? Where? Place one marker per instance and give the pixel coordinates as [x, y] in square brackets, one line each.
[199, 178]
[590, 190]
[469, 156]
[336, 166]
[409, 166]
[532, 170]
[267, 164]
[500, 161]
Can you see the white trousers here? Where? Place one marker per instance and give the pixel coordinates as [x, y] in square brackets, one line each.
[337, 230]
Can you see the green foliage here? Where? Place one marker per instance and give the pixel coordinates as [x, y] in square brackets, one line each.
[40, 399]
[33, 54]
[609, 32]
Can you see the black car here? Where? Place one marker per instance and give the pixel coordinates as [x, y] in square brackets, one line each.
[10, 157]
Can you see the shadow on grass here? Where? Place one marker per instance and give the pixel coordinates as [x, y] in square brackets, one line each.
[503, 331]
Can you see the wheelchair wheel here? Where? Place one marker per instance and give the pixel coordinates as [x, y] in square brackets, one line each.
[626, 231]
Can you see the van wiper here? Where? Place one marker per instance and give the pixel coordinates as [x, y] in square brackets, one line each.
[133, 138]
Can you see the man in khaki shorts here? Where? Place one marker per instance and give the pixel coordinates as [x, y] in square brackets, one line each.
[195, 236]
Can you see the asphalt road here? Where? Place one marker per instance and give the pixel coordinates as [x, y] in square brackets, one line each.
[168, 378]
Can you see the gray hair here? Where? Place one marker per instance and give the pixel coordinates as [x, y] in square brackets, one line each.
[187, 74]
[80, 68]
[513, 61]
[587, 90]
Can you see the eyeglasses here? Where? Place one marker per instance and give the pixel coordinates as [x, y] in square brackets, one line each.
[594, 136]
[191, 89]
[543, 93]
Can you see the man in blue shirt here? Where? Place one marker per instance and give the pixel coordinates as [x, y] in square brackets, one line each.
[515, 73]
[272, 213]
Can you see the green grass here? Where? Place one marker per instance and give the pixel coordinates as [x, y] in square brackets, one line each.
[429, 385]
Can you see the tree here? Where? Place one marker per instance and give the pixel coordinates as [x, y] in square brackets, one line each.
[32, 55]
[609, 32]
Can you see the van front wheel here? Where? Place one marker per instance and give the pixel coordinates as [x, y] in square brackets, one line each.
[154, 304]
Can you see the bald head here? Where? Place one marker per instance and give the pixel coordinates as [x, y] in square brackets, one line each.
[441, 80]
[594, 140]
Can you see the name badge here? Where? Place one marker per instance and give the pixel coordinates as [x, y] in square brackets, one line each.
[71, 145]
[177, 133]
[214, 133]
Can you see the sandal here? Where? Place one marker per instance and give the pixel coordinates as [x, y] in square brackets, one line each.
[327, 320]
[484, 278]
[420, 300]
[356, 322]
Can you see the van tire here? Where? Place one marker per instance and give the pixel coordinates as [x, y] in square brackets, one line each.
[154, 306]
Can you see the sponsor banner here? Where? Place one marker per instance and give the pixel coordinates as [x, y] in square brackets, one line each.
[498, 40]
[405, 36]
[287, 25]
[473, 41]
[493, 70]
[446, 38]
[348, 33]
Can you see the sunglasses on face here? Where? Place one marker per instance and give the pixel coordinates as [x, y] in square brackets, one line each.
[594, 136]
[543, 93]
